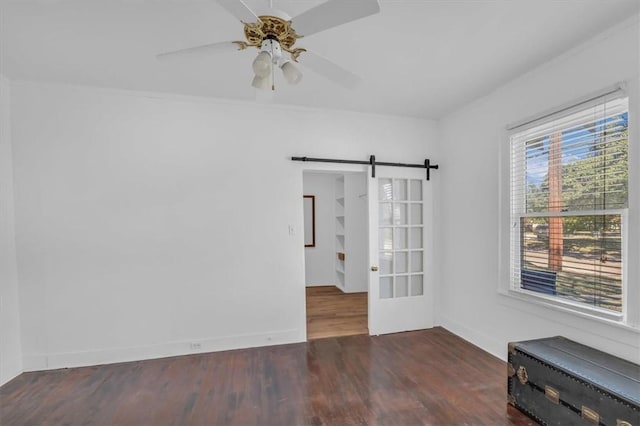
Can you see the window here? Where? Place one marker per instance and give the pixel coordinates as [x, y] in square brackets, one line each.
[569, 192]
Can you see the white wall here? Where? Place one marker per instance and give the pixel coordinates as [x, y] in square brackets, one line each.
[474, 183]
[320, 267]
[147, 222]
[10, 347]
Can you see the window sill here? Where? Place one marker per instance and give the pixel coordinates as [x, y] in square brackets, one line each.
[610, 319]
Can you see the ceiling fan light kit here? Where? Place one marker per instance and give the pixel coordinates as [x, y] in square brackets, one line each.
[272, 35]
[263, 83]
[271, 55]
[291, 73]
[262, 64]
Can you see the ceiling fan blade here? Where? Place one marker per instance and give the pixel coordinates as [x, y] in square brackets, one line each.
[222, 47]
[331, 14]
[240, 10]
[328, 69]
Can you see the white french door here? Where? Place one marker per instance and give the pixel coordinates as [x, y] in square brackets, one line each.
[400, 253]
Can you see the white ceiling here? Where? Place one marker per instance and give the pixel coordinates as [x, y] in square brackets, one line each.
[416, 58]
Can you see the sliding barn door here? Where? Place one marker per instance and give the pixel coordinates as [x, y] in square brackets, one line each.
[400, 253]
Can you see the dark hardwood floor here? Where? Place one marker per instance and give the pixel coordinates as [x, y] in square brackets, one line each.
[424, 377]
[332, 313]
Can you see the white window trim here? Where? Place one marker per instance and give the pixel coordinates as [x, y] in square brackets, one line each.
[535, 299]
[624, 320]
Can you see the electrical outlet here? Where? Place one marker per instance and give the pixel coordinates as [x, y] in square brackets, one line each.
[196, 346]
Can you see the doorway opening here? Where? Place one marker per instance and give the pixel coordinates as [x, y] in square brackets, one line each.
[336, 274]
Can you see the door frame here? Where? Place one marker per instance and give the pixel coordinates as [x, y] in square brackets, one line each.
[327, 168]
[428, 260]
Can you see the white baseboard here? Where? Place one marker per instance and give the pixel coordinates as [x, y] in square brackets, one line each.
[483, 341]
[37, 362]
[6, 377]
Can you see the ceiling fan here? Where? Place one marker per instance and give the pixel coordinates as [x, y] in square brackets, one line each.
[275, 36]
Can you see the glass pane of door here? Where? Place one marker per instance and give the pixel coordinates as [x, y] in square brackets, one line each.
[400, 231]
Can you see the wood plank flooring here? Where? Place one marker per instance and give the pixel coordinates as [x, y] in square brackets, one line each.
[332, 313]
[429, 377]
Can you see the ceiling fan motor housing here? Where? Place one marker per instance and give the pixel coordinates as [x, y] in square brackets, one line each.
[271, 27]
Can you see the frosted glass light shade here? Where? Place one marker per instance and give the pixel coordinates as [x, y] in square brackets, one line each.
[291, 73]
[262, 64]
[263, 83]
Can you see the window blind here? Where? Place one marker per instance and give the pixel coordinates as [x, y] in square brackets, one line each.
[569, 185]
